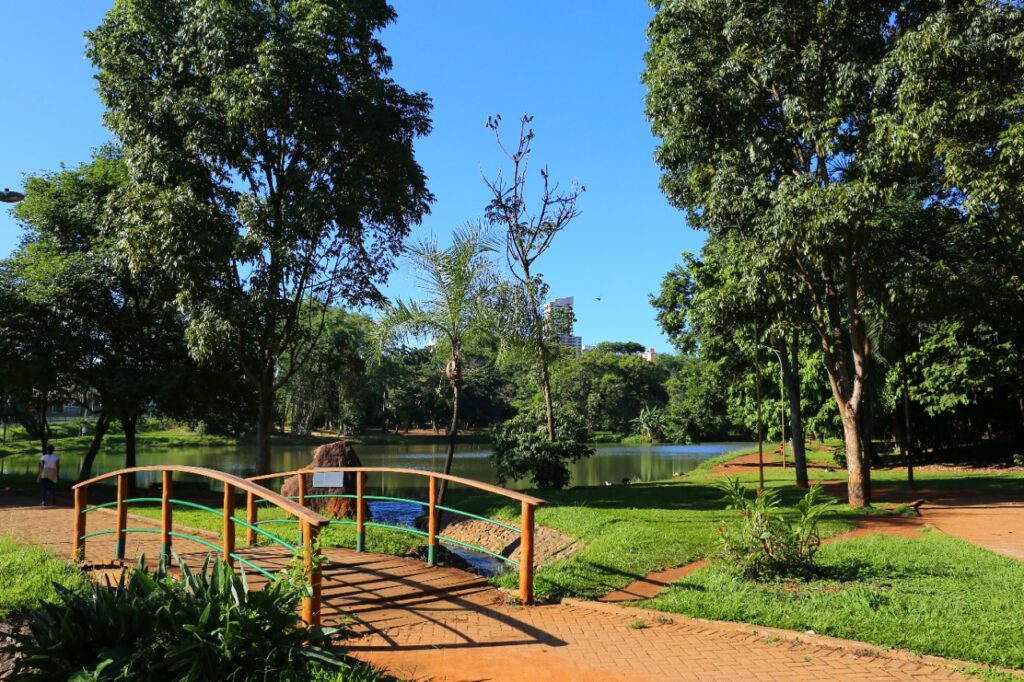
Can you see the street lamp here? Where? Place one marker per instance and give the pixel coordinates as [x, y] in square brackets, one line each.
[10, 197]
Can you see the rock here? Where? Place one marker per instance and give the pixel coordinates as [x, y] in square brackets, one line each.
[337, 454]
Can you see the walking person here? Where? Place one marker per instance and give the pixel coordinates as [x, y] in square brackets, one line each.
[49, 473]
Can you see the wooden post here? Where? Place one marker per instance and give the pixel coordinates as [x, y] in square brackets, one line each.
[302, 490]
[81, 499]
[250, 518]
[360, 511]
[311, 603]
[432, 524]
[229, 523]
[526, 556]
[302, 502]
[122, 515]
[167, 489]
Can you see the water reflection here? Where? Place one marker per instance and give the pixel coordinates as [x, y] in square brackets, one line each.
[611, 463]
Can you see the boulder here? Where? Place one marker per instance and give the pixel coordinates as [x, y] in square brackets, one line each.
[337, 454]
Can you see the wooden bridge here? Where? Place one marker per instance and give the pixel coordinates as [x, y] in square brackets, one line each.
[267, 553]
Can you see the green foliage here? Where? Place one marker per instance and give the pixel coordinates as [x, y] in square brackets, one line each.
[764, 543]
[271, 165]
[930, 595]
[839, 456]
[609, 388]
[205, 625]
[651, 423]
[522, 448]
[28, 576]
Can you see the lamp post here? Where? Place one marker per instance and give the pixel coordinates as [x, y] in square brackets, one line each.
[10, 197]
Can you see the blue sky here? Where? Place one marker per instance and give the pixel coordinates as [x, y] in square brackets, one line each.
[574, 65]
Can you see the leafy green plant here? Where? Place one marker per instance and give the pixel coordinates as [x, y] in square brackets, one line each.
[764, 543]
[839, 456]
[651, 423]
[1018, 460]
[521, 448]
[204, 625]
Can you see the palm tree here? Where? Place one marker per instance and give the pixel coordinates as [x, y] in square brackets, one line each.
[457, 283]
[651, 423]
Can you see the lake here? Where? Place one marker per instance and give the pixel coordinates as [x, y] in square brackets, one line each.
[611, 463]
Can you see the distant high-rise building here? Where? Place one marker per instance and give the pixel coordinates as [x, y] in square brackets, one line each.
[649, 355]
[559, 307]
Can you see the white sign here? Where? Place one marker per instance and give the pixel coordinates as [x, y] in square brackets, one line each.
[329, 479]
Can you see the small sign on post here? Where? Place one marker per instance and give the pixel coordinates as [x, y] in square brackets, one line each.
[329, 479]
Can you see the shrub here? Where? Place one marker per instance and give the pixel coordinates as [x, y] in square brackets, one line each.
[764, 543]
[839, 455]
[1018, 460]
[203, 626]
[522, 448]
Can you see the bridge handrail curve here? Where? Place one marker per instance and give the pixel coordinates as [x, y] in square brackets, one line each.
[479, 485]
[247, 485]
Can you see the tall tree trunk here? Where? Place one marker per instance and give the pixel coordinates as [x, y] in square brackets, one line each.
[128, 423]
[102, 424]
[791, 377]
[867, 425]
[264, 425]
[858, 486]
[757, 392]
[453, 432]
[908, 441]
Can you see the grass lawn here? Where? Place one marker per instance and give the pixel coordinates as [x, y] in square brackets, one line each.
[932, 595]
[27, 575]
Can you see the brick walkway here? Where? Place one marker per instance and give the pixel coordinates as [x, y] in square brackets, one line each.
[444, 624]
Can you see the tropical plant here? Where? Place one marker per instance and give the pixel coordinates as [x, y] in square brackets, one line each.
[764, 543]
[205, 625]
[651, 423]
[457, 282]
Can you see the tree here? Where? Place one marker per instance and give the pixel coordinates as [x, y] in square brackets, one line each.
[766, 114]
[457, 282]
[123, 335]
[271, 165]
[528, 235]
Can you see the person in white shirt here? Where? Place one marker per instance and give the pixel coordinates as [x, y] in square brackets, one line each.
[49, 473]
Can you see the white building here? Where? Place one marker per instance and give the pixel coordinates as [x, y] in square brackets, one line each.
[564, 306]
[649, 355]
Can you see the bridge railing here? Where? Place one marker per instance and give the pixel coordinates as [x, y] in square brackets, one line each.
[310, 521]
[526, 525]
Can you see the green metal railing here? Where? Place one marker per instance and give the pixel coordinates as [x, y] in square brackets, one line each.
[310, 521]
[433, 510]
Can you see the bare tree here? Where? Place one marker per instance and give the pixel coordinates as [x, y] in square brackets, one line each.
[528, 234]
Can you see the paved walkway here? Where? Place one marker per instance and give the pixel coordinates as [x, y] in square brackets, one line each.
[445, 624]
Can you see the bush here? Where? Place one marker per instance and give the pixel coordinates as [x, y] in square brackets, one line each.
[839, 455]
[764, 544]
[203, 626]
[522, 448]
